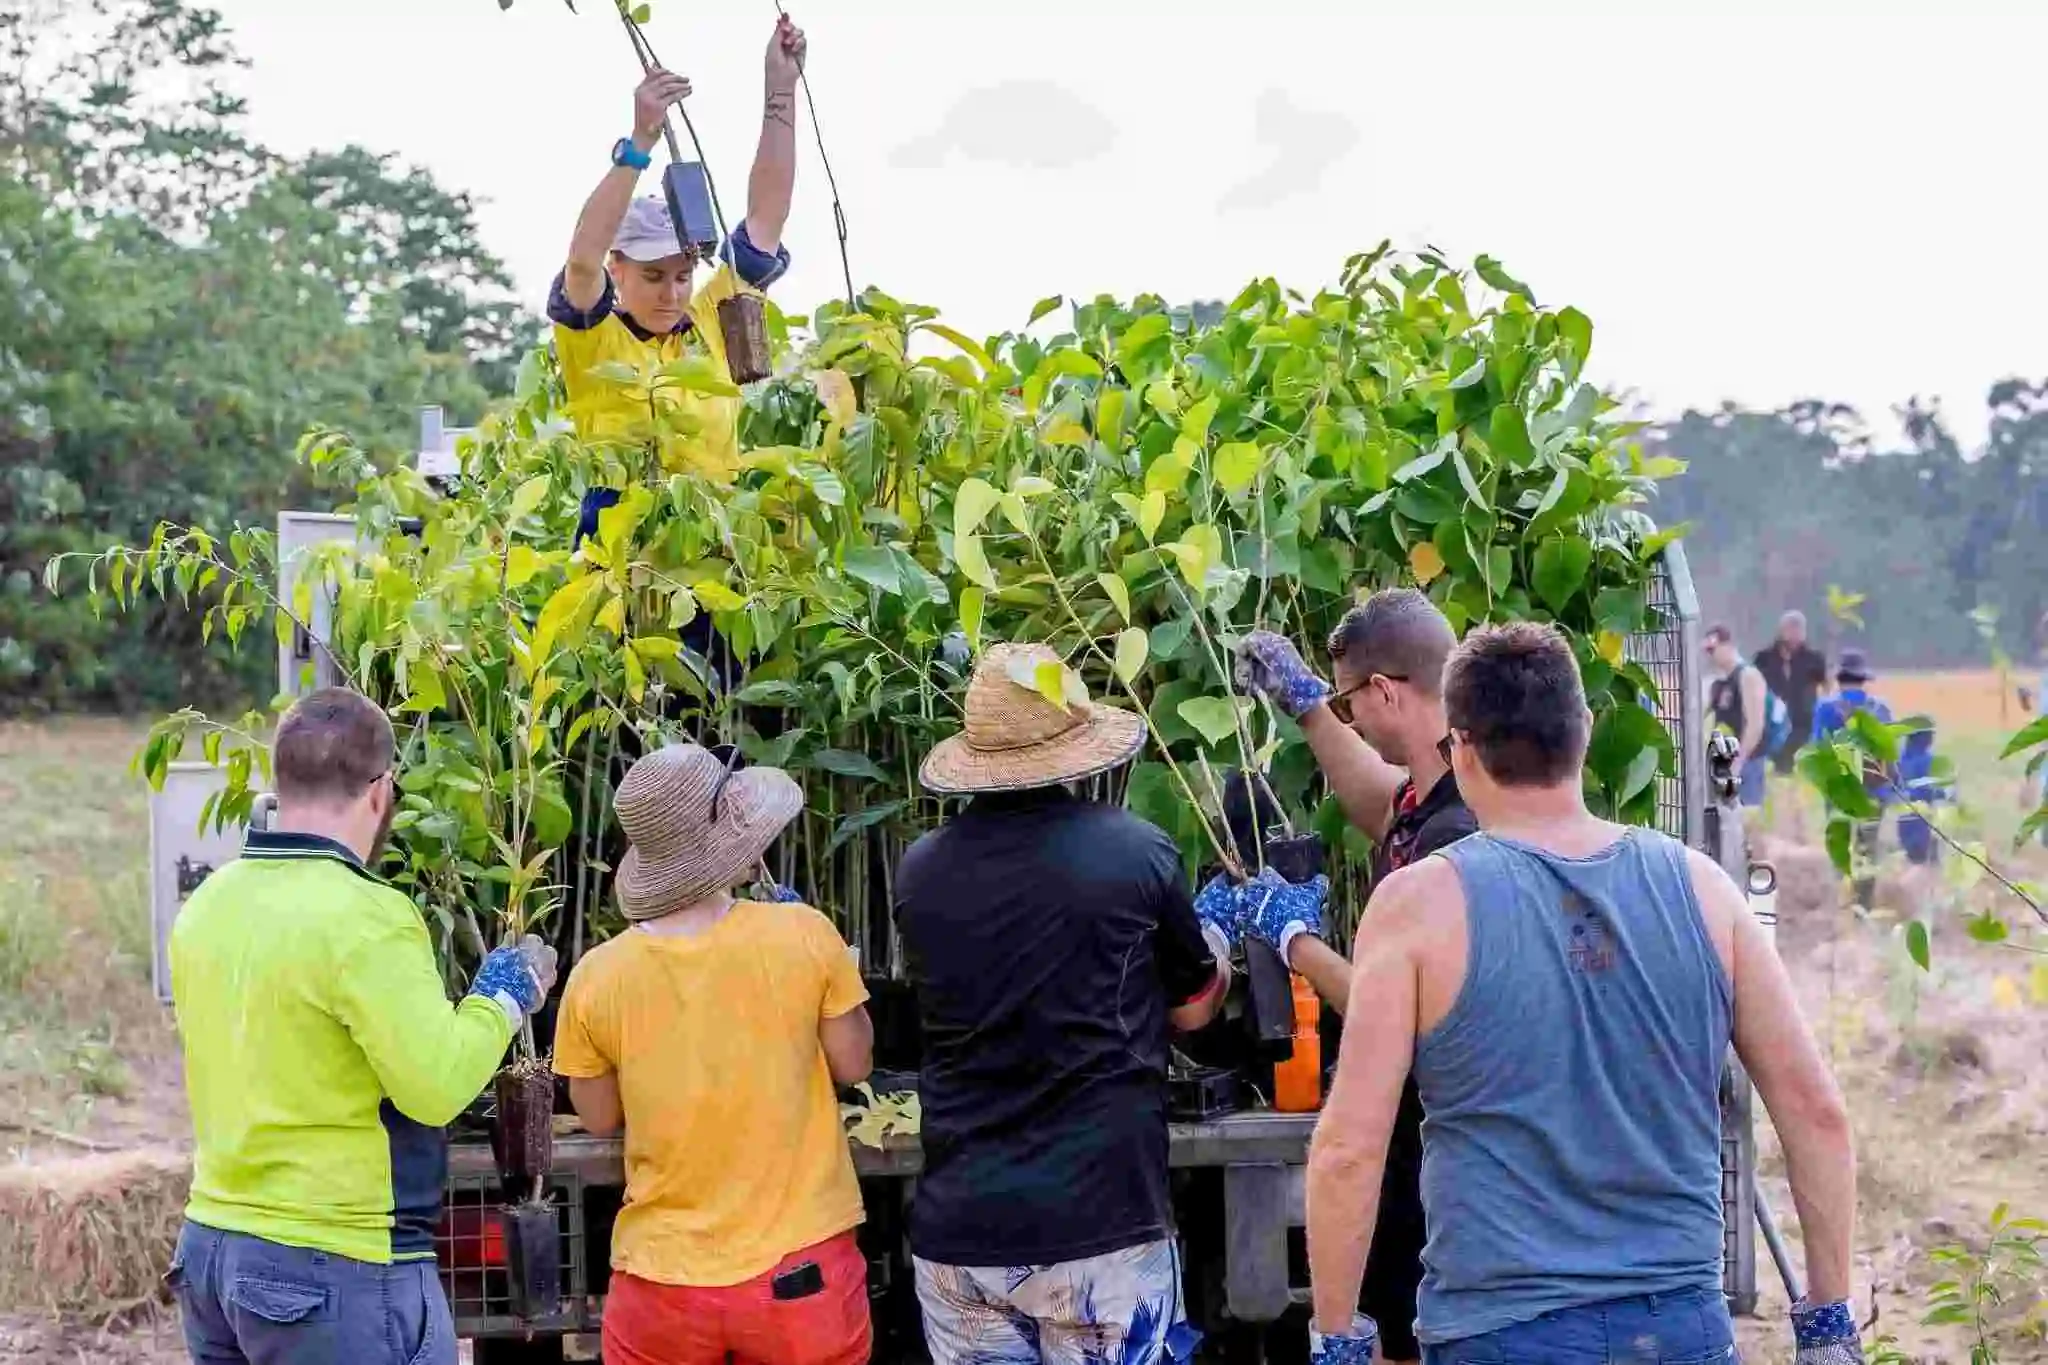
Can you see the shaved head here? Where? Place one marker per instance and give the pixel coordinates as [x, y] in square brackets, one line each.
[1398, 632]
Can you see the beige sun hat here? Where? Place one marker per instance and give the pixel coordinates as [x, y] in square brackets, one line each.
[1015, 740]
[681, 850]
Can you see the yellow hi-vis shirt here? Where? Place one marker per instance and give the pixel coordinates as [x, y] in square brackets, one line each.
[610, 410]
[322, 1057]
[735, 1153]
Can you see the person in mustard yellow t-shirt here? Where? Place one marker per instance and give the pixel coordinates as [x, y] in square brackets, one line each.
[715, 1031]
[625, 293]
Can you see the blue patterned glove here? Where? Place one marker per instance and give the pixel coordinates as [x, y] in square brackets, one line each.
[785, 895]
[1277, 911]
[1354, 1347]
[516, 977]
[1219, 906]
[1825, 1334]
[1271, 666]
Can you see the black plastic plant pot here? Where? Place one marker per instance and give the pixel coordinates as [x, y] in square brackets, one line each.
[533, 1260]
[523, 1140]
[1269, 1002]
[744, 326]
[1297, 857]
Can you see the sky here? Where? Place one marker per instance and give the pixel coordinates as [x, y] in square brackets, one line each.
[1754, 202]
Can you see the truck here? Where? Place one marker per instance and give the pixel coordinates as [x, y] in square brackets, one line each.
[1237, 1165]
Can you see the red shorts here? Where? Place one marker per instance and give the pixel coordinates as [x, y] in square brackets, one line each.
[663, 1324]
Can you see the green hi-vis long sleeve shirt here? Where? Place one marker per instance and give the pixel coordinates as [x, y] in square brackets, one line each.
[322, 1057]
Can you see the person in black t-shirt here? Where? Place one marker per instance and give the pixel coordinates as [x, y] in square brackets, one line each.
[1382, 740]
[1054, 949]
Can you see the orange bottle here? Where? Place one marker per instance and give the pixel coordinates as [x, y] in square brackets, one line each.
[1298, 1081]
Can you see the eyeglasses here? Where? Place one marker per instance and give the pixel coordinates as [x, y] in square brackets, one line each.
[1340, 704]
[732, 765]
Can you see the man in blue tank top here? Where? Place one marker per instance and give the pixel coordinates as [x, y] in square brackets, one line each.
[1568, 1043]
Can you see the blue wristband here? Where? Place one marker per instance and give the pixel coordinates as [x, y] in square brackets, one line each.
[624, 153]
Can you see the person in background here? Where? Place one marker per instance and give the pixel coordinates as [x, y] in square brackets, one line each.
[715, 1031]
[1852, 680]
[1795, 672]
[1739, 702]
[1054, 949]
[1569, 1041]
[1380, 736]
[625, 293]
[322, 1060]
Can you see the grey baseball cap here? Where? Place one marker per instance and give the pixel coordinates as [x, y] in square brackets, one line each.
[648, 233]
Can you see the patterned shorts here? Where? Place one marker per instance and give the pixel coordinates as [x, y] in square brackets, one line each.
[1124, 1308]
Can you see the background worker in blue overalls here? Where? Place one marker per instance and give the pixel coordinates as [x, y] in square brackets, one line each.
[1852, 677]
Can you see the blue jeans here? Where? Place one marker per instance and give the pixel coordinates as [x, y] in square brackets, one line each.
[1753, 778]
[1689, 1327]
[245, 1301]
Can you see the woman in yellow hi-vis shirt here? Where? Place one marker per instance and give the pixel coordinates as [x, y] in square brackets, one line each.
[625, 294]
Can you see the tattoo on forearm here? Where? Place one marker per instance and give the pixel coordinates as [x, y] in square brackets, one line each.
[782, 109]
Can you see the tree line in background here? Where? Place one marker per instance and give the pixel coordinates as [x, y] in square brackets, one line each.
[178, 304]
[1948, 547]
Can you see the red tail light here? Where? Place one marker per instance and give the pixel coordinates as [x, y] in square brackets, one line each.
[469, 1238]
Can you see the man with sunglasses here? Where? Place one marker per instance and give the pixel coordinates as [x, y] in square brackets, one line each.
[322, 1059]
[1382, 740]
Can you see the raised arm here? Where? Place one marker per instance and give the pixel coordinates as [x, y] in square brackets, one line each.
[1363, 782]
[772, 182]
[598, 224]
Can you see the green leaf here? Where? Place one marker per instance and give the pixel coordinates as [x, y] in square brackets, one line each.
[641, 13]
[1043, 307]
[1140, 334]
[1195, 422]
[1987, 928]
[1619, 610]
[858, 821]
[770, 693]
[972, 562]
[972, 600]
[1507, 435]
[530, 496]
[1131, 649]
[1215, 718]
[1874, 737]
[973, 349]
[1236, 465]
[1561, 566]
[1473, 492]
[875, 566]
[1474, 374]
[1577, 330]
[1490, 270]
[1118, 592]
[2034, 732]
[1151, 512]
[1916, 943]
[1109, 416]
[847, 763]
[972, 504]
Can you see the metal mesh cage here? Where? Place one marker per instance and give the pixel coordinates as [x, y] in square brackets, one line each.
[470, 1247]
[1669, 648]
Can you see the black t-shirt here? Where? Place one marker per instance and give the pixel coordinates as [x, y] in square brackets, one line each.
[1047, 939]
[1393, 1269]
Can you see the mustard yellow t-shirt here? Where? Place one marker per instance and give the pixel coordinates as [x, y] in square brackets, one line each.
[735, 1154]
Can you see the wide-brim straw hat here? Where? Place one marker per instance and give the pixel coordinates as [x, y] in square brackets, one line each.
[680, 853]
[1016, 740]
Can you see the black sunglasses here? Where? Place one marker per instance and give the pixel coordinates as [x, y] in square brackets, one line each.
[1340, 704]
[733, 763]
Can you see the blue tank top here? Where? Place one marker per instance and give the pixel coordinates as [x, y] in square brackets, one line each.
[1572, 1138]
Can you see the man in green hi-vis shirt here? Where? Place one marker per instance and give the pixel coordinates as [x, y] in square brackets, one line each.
[322, 1059]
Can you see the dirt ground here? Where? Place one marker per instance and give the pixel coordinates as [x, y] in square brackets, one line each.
[1941, 1069]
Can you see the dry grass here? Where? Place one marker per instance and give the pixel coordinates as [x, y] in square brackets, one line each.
[78, 1023]
[92, 1235]
[1941, 1069]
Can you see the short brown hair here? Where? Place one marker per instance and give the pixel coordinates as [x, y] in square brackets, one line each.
[1513, 691]
[1398, 632]
[1719, 634]
[330, 746]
